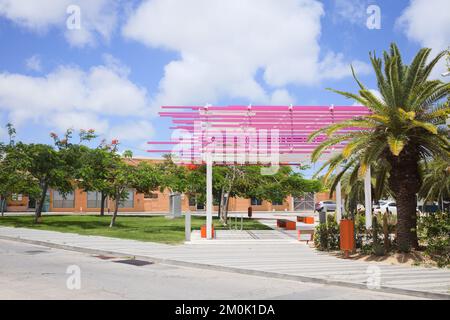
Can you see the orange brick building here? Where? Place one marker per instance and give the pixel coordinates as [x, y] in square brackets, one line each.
[156, 202]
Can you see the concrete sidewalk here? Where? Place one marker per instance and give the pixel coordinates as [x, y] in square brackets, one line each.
[283, 258]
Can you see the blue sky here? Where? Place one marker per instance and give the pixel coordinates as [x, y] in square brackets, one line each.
[129, 57]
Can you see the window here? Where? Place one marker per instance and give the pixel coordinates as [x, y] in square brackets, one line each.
[256, 202]
[151, 195]
[200, 206]
[192, 201]
[16, 197]
[61, 201]
[277, 203]
[94, 199]
[392, 204]
[129, 201]
[31, 203]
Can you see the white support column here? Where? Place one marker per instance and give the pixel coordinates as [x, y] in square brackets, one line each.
[368, 198]
[209, 197]
[338, 203]
[187, 226]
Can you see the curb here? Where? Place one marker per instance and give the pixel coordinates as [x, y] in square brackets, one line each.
[266, 274]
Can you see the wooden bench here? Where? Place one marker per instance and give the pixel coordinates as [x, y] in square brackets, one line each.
[307, 220]
[286, 224]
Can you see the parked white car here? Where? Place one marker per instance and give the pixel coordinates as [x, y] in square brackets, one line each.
[377, 205]
[391, 205]
[388, 205]
[325, 206]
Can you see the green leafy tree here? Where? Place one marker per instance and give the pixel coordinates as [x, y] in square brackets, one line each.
[14, 178]
[187, 179]
[53, 167]
[174, 177]
[404, 127]
[95, 166]
[119, 179]
[277, 187]
[147, 177]
[124, 175]
[49, 171]
[248, 182]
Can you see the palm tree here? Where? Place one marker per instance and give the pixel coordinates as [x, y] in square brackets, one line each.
[436, 181]
[404, 127]
[353, 187]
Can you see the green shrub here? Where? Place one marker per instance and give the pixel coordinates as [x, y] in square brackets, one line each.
[377, 242]
[321, 237]
[378, 249]
[360, 230]
[327, 235]
[333, 233]
[434, 231]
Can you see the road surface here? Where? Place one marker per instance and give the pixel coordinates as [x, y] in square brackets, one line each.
[37, 272]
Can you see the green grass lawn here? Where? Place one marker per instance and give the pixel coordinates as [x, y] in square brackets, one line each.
[155, 229]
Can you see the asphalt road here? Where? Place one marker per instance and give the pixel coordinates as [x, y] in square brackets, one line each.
[37, 272]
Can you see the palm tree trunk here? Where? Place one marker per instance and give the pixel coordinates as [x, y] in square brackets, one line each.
[407, 220]
[404, 180]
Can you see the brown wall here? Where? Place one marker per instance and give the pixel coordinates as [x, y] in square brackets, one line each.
[159, 204]
[17, 206]
[80, 204]
[322, 196]
[141, 204]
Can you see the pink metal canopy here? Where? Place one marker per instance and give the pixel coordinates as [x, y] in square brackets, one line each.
[247, 132]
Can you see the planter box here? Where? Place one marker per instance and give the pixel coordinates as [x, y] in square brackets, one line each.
[203, 231]
[347, 232]
[308, 220]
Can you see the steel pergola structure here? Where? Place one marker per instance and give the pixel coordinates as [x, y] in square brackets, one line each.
[267, 135]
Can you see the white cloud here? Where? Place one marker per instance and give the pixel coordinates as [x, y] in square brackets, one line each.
[353, 11]
[281, 97]
[33, 63]
[333, 66]
[131, 131]
[72, 97]
[427, 23]
[78, 120]
[37, 15]
[98, 17]
[223, 45]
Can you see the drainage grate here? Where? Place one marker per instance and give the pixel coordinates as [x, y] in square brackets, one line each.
[104, 257]
[134, 262]
[35, 251]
